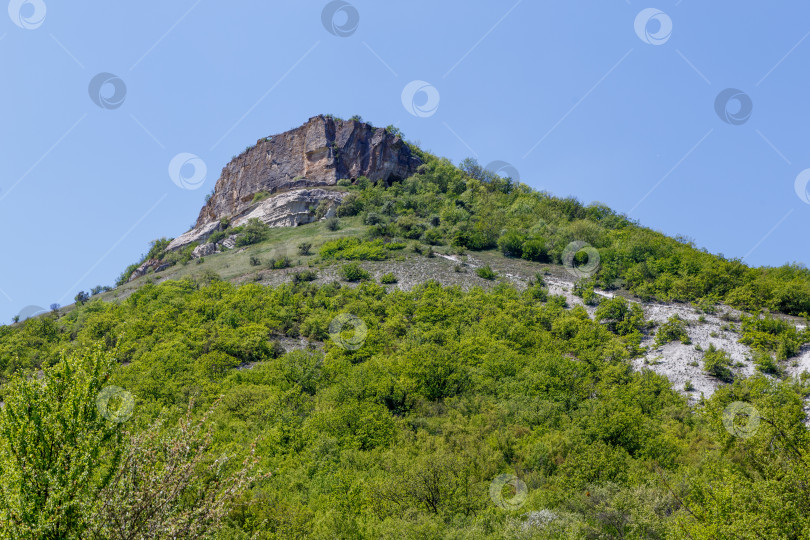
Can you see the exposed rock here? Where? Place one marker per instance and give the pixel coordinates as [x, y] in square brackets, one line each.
[319, 153]
[152, 264]
[197, 234]
[230, 242]
[204, 250]
[330, 212]
[286, 167]
[292, 208]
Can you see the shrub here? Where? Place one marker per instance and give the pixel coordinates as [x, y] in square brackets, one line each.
[81, 298]
[217, 237]
[433, 237]
[585, 291]
[253, 232]
[255, 261]
[486, 272]
[539, 292]
[304, 248]
[350, 206]
[354, 249]
[673, 329]
[373, 218]
[410, 227]
[388, 279]
[392, 246]
[620, 317]
[354, 272]
[278, 264]
[534, 249]
[332, 224]
[511, 243]
[321, 209]
[766, 363]
[717, 363]
[304, 275]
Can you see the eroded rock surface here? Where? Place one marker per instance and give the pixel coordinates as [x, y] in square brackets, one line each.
[285, 168]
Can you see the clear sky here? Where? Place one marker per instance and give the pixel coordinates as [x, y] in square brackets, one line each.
[607, 101]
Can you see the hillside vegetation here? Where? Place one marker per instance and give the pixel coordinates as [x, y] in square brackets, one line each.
[347, 408]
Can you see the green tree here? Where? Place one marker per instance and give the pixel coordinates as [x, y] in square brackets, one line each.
[57, 450]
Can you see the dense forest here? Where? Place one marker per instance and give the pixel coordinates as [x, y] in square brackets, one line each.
[182, 411]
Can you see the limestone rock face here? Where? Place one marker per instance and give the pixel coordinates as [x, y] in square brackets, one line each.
[204, 249]
[319, 153]
[289, 168]
[292, 208]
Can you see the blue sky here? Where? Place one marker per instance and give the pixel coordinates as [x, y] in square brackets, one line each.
[579, 97]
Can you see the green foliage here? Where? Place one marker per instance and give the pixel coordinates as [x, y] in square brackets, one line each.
[351, 205]
[773, 335]
[511, 243]
[534, 249]
[56, 449]
[584, 289]
[304, 275]
[388, 279]
[486, 272]
[332, 224]
[253, 232]
[403, 435]
[621, 317]
[717, 363]
[672, 330]
[725, 497]
[410, 227]
[354, 272]
[406, 433]
[352, 248]
[304, 248]
[217, 236]
[277, 263]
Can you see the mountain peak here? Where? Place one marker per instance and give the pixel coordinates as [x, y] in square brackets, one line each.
[315, 155]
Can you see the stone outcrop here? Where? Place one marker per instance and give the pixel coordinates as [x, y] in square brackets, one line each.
[293, 172]
[154, 265]
[204, 249]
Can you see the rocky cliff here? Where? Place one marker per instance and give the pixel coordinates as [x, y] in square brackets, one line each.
[289, 165]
